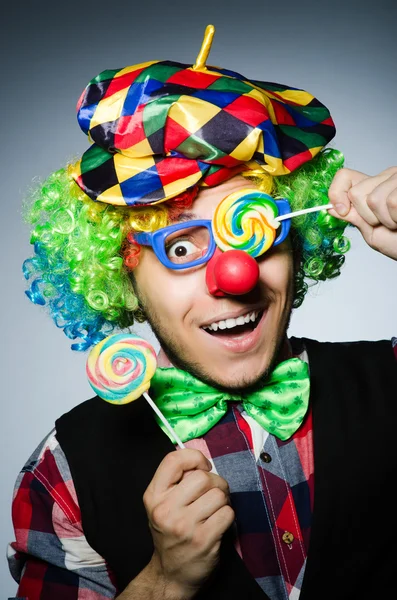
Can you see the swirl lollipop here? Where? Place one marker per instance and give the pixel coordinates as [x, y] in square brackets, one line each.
[245, 220]
[119, 370]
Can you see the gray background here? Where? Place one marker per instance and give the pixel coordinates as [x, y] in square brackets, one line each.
[344, 54]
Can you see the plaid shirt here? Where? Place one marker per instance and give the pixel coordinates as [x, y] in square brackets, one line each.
[271, 490]
[271, 484]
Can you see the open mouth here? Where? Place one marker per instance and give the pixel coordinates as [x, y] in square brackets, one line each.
[235, 327]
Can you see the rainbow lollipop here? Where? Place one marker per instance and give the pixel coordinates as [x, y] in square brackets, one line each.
[119, 370]
[245, 220]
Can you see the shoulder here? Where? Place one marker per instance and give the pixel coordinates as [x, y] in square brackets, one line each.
[364, 362]
[385, 347]
[46, 473]
[85, 427]
[96, 412]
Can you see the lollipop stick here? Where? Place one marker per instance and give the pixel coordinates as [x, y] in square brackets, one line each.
[162, 417]
[303, 212]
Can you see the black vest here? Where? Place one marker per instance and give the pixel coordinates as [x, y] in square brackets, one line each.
[113, 452]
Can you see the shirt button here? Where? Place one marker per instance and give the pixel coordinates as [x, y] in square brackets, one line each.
[287, 537]
[265, 457]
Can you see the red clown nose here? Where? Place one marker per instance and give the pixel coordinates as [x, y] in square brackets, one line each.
[232, 272]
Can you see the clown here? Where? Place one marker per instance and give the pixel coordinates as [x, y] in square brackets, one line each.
[207, 204]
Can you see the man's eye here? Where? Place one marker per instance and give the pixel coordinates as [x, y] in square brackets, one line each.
[183, 251]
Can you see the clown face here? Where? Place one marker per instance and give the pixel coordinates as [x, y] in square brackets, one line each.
[228, 340]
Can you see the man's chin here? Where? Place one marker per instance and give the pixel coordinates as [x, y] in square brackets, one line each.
[225, 376]
[237, 384]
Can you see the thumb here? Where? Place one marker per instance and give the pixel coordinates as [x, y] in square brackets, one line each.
[352, 217]
[338, 191]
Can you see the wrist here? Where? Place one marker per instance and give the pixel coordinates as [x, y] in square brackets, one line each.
[172, 589]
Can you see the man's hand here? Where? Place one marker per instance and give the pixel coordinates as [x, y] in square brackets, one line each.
[369, 203]
[189, 511]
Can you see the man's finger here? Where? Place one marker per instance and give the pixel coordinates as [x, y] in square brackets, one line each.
[392, 205]
[342, 182]
[380, 201]
[207, 505]
[355, 219]
[170, 470]
[216, 525]
[198, 484]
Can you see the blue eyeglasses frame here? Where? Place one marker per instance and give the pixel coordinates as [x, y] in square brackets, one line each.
[155, 239]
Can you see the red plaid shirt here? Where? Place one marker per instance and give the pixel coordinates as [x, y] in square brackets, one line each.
[271, 485]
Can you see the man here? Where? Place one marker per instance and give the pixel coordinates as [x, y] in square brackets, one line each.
[271, 497]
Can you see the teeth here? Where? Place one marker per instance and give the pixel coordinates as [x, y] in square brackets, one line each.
[230, 323]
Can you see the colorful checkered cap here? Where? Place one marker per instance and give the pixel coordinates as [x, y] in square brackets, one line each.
[160, 127]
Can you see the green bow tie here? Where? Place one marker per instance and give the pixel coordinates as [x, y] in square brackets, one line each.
[193, 407]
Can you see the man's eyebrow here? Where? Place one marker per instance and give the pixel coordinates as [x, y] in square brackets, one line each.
[186, 216]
